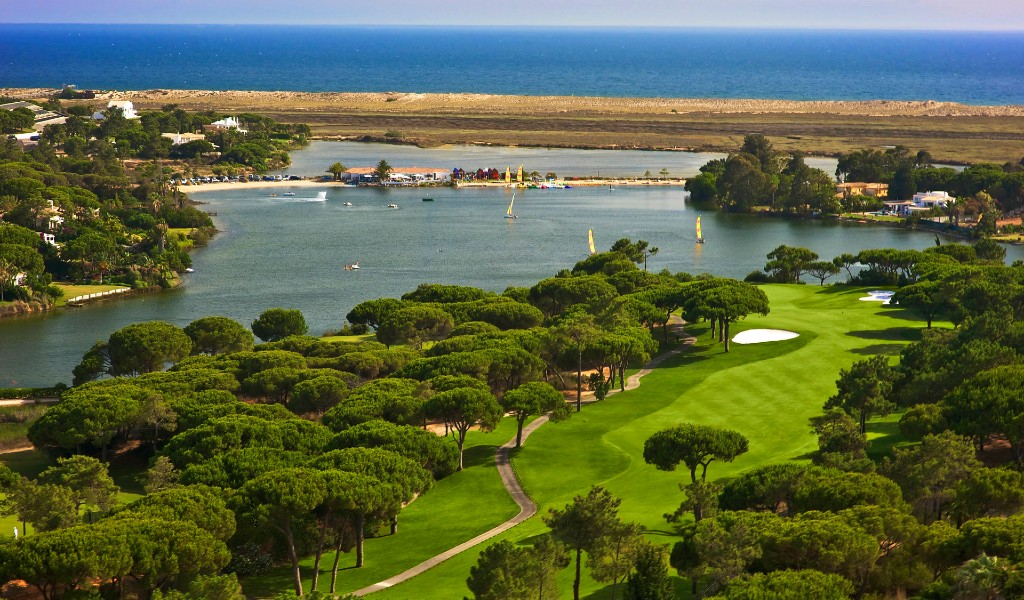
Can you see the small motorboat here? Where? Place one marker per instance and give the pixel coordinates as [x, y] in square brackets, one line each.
[288, 194]
[428, 199]
[189, 270]
[352, 267]
[392, 206]
[346, 204]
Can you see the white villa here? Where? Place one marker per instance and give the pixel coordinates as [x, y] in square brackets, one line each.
[922, 202]
[126, 106]
[933, 199]
[225, 123]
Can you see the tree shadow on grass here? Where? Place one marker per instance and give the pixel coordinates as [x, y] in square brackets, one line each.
[873, 349]
[605, 593]
[478, 456]
[662, 533]
[896, 334]
[129, 472]
[882, 445]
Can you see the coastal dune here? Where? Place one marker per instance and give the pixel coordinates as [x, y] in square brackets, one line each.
[951, 132]
[496, 104]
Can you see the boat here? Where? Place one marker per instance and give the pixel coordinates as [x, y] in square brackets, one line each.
[590, 241]
[346, 204]
[428, 199]
[352, 267]
[288, 194]
[189, 270]
[700, 236]
[392, 205]
[508, 213]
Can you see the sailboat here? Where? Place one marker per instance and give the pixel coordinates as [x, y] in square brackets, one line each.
[700, 236]
[590, 241]
[508, 213]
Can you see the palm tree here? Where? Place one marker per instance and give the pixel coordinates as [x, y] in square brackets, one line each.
[383, 171]
[983, 578]
[337, 169]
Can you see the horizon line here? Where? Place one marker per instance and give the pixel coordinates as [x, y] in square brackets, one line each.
[530, 26]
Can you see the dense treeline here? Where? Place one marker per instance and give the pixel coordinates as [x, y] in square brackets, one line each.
[308, 446]
[936, 519]
[760, 176]
[70, 208]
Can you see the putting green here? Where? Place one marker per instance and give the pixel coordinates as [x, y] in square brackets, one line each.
[766, 391]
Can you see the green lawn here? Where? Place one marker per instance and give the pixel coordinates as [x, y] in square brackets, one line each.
[72, 290]
[874, 218]
[766, 391]
[30, 463]
[366, 337]
[14, 424]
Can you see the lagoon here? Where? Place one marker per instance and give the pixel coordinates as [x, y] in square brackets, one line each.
[291, 251]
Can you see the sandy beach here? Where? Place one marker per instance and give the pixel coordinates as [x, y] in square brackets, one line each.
[400, 102]
[951, 132]
[309, 183]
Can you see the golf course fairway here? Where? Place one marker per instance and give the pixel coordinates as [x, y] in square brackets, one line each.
[766, 391]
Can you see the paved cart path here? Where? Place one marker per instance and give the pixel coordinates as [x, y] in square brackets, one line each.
[527, 508]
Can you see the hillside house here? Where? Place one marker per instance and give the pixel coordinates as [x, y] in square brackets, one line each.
[126, 106]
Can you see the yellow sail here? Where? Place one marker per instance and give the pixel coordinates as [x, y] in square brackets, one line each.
[590, 240]
[519, 174]
[508, 174]
[700, 236]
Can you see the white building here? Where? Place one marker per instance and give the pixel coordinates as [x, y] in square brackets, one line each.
[225, 123]
[407, 175]
[933, 199]
[41, 116]
[126, 106]
[49, 238]
[922, 203]
[183, 138]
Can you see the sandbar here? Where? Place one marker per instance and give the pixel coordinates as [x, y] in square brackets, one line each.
[951, 132]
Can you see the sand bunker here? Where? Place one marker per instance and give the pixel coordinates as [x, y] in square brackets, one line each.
[882, 296]
[756, 336]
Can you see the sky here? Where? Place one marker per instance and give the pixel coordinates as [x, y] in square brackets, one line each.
[1005, 15]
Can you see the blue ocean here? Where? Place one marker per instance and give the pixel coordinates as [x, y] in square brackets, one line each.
[968, 67]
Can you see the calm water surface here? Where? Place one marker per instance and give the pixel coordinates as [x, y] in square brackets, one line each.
[291, 252]
[971, 67]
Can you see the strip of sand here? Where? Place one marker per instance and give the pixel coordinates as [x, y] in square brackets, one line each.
[951, 132]
[216, 187]
[492, 103]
